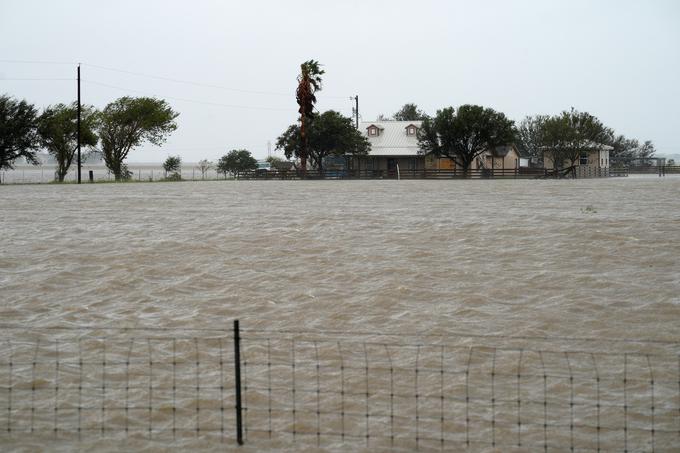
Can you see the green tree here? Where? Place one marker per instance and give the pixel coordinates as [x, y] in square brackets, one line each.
[567, 135]
[58, 133]
[127, 123]
[624, 150]
[236, 161]
[530, 136]
[18, 135]
[173, 166]
[328, 134]
[273, 160]
[279, 164]
[222, 166]
[309, 82]
[409, 112]
[465, 134]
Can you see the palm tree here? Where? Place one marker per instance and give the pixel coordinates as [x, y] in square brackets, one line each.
[309, 82]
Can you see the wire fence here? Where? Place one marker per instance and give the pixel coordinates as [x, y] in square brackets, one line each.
[138, 172]
[150, 173]
[155, 387]
[338, 389]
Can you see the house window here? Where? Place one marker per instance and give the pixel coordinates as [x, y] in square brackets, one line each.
[583, 160]
[411, 130]
[373, 131]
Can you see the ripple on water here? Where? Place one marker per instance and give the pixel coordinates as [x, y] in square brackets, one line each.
[492, 257]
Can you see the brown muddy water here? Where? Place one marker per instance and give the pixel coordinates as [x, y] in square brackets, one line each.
[497, 276]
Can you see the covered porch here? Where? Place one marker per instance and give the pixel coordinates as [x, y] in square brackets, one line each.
[386, 166]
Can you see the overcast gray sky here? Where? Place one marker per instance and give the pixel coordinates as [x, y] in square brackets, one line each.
[619, 60]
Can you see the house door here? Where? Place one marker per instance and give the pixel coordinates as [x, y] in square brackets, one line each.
[392, 167]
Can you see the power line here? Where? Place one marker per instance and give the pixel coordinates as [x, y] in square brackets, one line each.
[168, 79]
[188, 82]
[71, 79]
[195, 101]
[201, 84]
[39, 62]
[106, 85]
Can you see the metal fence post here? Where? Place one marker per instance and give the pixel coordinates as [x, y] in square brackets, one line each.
[237, 379]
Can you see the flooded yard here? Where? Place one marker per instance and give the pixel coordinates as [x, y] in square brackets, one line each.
[478, 263]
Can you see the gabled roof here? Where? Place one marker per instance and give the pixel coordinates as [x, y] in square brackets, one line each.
[393, 140]
[589, 146]
[502, 151]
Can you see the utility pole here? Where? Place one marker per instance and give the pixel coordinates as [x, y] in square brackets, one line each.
[356, 109]
[78, 125]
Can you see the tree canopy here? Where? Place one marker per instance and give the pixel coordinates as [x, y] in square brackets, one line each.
[464, 134]
[236, 161]
[173, 166]
[18, 135]
[530, 136]
[567, 135]
[127, 123]
[624, 150]
[330, 133]
[58, 133]
[309, 82]
[409, 112]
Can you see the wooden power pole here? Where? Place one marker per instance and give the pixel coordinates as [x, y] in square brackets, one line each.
[78, 125]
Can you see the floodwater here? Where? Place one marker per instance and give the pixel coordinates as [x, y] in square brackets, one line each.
[494, 261]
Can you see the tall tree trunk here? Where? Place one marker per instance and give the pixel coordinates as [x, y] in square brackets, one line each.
[466, 167]
[62, 170]
[117, 171]
[303, 154]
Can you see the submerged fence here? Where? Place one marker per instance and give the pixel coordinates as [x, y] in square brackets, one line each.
[26, 175]
[406, 173]
[661, 170]
[384, 392]
[149, 174]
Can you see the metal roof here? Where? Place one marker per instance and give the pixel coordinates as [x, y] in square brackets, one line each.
[392, 140]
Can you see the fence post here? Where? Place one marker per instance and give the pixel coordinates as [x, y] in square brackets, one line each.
[237, 379]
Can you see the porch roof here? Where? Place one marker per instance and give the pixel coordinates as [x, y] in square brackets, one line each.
[406, 151]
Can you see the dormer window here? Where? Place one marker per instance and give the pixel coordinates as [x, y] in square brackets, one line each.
[411, 129]
[373, 130]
